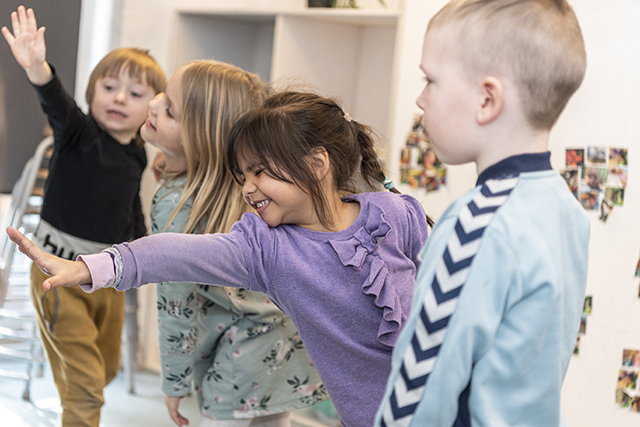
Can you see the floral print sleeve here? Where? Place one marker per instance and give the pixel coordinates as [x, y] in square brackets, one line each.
[177, 323]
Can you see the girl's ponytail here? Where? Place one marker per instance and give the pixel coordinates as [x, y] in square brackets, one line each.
[370, 167]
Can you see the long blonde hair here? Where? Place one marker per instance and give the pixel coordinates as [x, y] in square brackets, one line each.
[212, 95]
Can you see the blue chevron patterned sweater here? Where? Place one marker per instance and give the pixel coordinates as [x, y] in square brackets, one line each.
[496, 307]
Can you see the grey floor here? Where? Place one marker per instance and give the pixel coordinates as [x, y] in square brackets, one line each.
[144, 408]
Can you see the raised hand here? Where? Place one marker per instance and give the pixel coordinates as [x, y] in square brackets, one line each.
[64, 272]
[27, 45]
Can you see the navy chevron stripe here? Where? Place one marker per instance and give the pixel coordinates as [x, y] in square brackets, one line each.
[453, 266]
[486, 191]
[401, 411]
[423, 354]
[413, 383]
[465, 237]
[412, 378]
[444, 296]
[475, 210]
[432, 327]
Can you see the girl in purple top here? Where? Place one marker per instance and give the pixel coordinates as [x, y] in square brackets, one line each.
[341, 265]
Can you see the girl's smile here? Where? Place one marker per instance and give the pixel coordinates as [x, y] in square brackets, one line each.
[148, 123]
[277, 201]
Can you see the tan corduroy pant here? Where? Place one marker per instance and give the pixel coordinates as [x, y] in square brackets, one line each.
[81, 334]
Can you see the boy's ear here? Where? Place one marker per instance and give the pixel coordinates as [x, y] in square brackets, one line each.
[318, 160]
[491, 101]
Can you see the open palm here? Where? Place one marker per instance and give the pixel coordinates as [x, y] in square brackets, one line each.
[27, 41]
[64, 272]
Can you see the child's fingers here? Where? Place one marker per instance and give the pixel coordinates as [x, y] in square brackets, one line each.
[47, 285]
[8, 36]
[25, 245]
[40, 38]
[15, 24]
[32, 26]
[22, 19]
[51, 283]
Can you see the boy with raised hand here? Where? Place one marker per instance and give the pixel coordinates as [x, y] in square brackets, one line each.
[500, 290]
[90, 202]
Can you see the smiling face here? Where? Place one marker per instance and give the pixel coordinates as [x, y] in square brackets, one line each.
[276, 201]
[448, 99]
[120, 105]
[162, 127]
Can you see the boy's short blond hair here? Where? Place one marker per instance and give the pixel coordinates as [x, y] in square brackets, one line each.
[139, 64]
[537, 44]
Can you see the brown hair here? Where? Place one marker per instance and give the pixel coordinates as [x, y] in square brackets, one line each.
[537, 44]
[137, 62]
[212, 95]
[290, 125]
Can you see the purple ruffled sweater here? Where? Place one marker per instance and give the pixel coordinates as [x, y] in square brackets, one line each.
[348, 292]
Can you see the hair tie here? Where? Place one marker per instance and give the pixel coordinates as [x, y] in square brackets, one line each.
[347, 117]
[388, 184]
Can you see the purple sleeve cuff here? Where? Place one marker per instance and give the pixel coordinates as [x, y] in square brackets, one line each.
[102, 271]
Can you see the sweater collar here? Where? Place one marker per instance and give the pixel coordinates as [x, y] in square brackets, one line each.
[513, 166]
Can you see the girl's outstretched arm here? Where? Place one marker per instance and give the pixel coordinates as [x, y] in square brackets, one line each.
[64, 272]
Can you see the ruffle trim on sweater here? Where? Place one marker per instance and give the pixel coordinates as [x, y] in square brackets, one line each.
[353, 253]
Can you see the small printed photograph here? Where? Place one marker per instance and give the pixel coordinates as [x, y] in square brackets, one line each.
[596, 155]
[605, 208]
[617, 156]
[419, 165]
[591, 187]
[588, 305]
[631, 358]
[574, 156]
[616, 195]
[583, 325]
[635, 404]
[627, 379]
[589, 200]
[572, 178]
[622, 398]
[576, 349]
[617, 177]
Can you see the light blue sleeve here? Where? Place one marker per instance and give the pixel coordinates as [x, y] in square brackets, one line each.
[471, 331]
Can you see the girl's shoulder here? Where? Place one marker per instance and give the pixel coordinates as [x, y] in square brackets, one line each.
[390, 203]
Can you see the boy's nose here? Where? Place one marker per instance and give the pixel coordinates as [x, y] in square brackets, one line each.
[121, 97]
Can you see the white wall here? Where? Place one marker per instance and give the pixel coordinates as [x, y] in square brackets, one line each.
[605, 111]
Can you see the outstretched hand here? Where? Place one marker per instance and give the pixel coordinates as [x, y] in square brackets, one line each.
[64, 272]
[27, 45]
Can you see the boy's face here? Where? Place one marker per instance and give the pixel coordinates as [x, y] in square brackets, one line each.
[447, 100]
[120, 105]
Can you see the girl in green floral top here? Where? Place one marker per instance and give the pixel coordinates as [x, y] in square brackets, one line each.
[243, 355]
